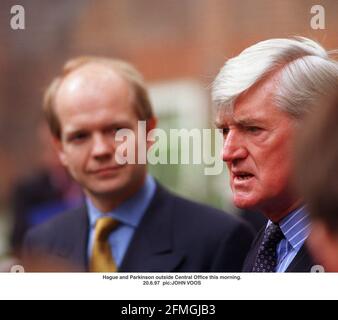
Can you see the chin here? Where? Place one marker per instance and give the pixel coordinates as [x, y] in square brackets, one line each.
[244, 202]
[108, 187]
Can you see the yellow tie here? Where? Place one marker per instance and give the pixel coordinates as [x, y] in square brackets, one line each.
[101, 259]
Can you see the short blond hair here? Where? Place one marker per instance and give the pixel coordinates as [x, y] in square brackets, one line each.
[133, 78]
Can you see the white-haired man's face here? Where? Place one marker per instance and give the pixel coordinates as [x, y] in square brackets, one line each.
[258, 149]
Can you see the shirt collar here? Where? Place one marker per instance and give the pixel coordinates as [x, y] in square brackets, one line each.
[131, 211]
[295, 227]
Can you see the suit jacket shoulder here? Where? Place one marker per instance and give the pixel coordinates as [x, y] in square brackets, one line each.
[62, 239]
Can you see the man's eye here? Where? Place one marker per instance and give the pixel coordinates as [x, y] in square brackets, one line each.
[224, 131]
[113, 130]
[78, 137]
[253, 129]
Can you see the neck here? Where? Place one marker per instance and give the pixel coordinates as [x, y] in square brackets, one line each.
[276, 214]
[107, 202]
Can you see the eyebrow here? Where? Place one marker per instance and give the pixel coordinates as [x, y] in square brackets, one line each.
[72, 133]
[249, 121]
[242, 122]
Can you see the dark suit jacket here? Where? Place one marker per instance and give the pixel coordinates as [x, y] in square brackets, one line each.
[174, 235]
[34, 200]
[302, 262]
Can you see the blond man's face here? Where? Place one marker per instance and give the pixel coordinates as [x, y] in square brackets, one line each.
[92, 105]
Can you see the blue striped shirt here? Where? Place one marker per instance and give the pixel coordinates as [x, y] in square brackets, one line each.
[296, 229]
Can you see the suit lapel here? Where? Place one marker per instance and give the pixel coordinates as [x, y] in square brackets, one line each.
[302, 262]
[151, 248]
[73, 244]
[251, 257]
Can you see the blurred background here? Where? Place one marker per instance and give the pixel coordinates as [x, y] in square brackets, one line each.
[178, 45]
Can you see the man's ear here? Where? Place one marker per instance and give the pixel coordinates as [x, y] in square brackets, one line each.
[151, 124]
[58, 146]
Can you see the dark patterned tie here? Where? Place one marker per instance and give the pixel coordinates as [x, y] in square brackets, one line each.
[266, 260]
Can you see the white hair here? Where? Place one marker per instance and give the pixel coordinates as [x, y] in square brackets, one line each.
[305, 66]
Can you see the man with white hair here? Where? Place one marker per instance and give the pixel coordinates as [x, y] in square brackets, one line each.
[262, 95]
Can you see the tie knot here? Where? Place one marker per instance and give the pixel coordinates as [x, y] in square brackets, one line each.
[273, 234]
[103, 227]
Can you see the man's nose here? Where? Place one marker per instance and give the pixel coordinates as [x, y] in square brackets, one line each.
[101, 146]
[233, 148]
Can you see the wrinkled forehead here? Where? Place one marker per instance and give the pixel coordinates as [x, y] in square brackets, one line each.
[257, 101]
[223, 114]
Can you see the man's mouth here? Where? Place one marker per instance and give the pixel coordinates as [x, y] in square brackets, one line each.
[242, 176]
[106, 169]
